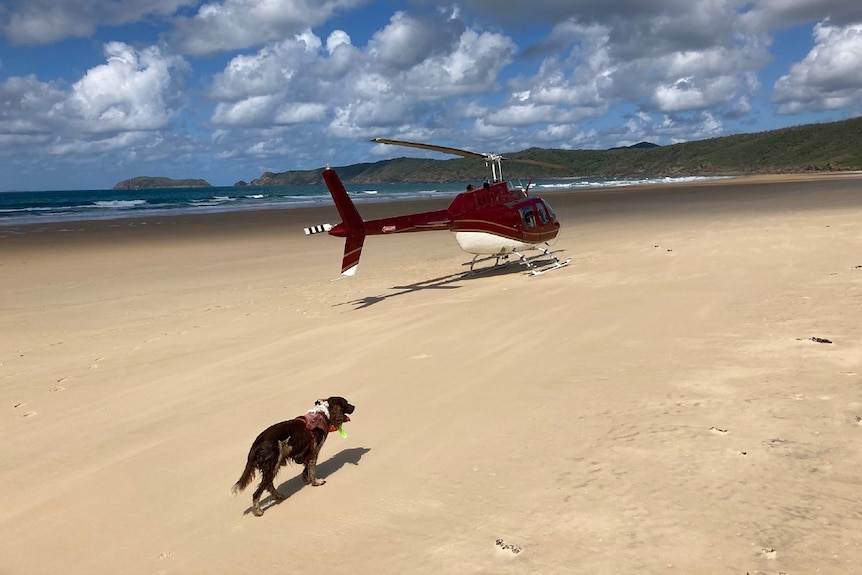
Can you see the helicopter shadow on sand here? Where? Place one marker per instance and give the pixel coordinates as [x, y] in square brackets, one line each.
[450, 281]
[324, 470]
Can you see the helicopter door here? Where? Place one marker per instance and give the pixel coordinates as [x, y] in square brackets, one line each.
[528, 217]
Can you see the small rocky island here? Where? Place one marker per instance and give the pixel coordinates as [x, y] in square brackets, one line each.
[150, 182]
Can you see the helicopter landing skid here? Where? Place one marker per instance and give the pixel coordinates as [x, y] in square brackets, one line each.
[503, 260]
[549, 268]
[539, 270]
[499, 261]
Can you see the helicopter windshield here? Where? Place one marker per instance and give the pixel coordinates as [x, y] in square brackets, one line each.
[547, 206]
[543, 215]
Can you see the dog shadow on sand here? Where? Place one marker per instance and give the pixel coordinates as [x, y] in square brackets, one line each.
[324, 470]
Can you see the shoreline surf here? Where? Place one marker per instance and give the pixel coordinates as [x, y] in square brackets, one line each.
[22, 208]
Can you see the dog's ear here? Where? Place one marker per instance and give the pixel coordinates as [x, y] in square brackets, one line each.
[336, 414]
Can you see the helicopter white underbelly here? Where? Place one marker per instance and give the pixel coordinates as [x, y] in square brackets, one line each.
[483, 243]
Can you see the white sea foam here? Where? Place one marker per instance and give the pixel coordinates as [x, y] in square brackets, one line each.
[213, 201]
[616, 183]
[118, 204]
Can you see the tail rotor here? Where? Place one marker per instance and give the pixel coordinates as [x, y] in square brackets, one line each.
[318, 229]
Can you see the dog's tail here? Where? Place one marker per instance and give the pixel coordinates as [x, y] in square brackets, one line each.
[245, 479]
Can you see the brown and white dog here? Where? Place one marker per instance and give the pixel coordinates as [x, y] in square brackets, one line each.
[299, 439]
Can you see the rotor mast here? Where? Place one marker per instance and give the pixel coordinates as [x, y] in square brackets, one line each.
[495, 162]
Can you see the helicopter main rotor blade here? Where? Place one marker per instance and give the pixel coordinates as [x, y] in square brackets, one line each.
[433, 148]
[465, 153]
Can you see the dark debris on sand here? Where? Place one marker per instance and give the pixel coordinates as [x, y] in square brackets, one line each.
[816, 339]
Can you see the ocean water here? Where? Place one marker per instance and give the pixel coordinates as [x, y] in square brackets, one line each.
[22, 208]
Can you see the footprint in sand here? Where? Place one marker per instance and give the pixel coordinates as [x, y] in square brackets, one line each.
[26, 413]
[718, 430]
[769, 552]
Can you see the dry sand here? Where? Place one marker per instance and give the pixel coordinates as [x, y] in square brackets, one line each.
[656, 407]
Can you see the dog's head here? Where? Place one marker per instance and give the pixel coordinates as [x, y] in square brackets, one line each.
[339, 408]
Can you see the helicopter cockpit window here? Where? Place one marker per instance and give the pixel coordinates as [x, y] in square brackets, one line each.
[543, 216]
[528, 217]
[550, 210]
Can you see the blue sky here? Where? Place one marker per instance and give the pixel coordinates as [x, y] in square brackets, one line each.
[96, 91]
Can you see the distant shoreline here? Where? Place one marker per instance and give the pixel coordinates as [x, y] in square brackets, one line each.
[85, 205]
[292, 219]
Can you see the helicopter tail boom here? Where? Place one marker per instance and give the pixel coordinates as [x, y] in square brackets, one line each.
[354, 229]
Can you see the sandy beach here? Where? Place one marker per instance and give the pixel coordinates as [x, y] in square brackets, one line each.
[685, 397]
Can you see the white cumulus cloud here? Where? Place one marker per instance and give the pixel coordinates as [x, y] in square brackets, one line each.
[219, 27]
[829, 77]
[134, 90]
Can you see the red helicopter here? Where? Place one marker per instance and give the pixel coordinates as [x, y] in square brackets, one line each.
[492, 221]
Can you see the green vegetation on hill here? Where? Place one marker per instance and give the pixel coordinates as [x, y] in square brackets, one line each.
[149, 182]
[813, 147]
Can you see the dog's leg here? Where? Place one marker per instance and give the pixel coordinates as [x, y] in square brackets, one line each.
[311, 468]
[284, 450]
[276, 494]
[255, 499]
[268, 479]
[267, 484]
